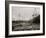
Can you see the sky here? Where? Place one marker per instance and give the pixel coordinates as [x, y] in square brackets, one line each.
[24, 13]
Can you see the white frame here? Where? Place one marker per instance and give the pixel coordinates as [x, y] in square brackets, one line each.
[25, 32]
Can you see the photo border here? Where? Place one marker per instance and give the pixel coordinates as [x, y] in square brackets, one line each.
[7, 18]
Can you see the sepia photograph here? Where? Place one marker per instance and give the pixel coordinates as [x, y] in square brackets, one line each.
[25, 18]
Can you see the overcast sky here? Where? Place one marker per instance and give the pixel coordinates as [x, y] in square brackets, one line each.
[23, 13]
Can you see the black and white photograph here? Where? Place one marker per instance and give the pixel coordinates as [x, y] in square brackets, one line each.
[25, 18]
